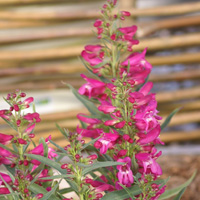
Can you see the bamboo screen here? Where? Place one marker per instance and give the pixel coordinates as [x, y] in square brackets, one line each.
[40, 41]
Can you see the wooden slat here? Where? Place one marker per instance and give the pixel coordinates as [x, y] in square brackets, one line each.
[184, 118]
[184, 58]
[171, 96]
[162, 43]
[185, 106]
[176, 76]
[88, 14]
[44, 34]
[180, 136]
[183, 21]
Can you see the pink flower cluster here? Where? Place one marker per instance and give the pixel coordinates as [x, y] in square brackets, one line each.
[131, 127]
[24, 167]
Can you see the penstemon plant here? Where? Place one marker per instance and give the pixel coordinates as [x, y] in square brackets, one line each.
[119, 161]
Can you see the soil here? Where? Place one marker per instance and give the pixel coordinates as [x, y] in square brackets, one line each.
[180, 168]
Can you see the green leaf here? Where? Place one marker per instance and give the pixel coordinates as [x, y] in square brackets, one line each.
[48, 162]
[127, 191]
[100, 64]
[66, 190]
[64, 132]
[59, 147]
[38, 189]
[25, 147]
[170, 193]
[91, 142]
[122, 194]
[168, 119]
[99, 165]
[10, 124]
[58, 176]
[179, 195]
[50, 194]
[45, 146]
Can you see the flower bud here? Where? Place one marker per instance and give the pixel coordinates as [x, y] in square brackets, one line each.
[22, 141]
[97, 144]
[92, 157]
[126, 137]
[39, 196]
[64, 166]
[22, 94]
[16, 107]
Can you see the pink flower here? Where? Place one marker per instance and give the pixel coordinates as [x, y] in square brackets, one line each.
[126, 13]
[148, 164]
[5, 156]
[5, 114]
[98, 23]
[4, 190]
[106, 107]
[87, 119]
[32, 117]
[93, 87]
[107, 141]
[93, 54]
[28, 101]
[30, 129]
[150, 136]
[39, 150]
[125, 174]
[139, 67]
[89, 132]
[128, 33]
[6, 178]
[5, 139]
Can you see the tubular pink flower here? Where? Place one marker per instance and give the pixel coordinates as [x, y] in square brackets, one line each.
[150, 136]
[148, 164]
[6, 178]
[28, 100]
[5, 139]
[87, 119]
[106, 107]
[91, 133]
[30, 129]
[93, 87]
[146, 88]
[126, 13]
[98, 23]
[32, 117]
[107, 141]
[111, 122]
[92, 53]
[39, 150]
[4, 190]
[125, 174]
[120, 124]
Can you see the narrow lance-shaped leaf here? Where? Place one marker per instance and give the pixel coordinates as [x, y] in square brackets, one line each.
[168, 119]
[122, 194]
[48, 162]
[64, 132]
[99, 165]
[179, 195]
[170, 193]
[38, 189]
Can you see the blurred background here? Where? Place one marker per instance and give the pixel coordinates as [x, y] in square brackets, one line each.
[41, 40]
